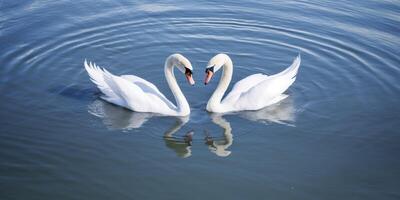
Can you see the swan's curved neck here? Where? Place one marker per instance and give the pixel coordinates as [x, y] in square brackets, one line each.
[214, 103]
[181, 102]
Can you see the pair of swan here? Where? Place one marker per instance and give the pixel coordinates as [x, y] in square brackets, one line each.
[251, 93]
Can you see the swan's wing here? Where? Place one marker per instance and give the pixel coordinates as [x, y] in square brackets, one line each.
[137, 79]
[270, 90]
[147, 87]
[137, 97]
[96, 74]
[243, 86]
[128, 91]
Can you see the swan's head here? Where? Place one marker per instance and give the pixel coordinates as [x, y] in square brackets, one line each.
[184, 65]
[214, 65]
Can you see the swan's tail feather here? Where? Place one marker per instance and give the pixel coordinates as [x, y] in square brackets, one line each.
[96, 75]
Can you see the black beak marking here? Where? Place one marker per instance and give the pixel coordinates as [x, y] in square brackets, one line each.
[188, 71]
[211, 69]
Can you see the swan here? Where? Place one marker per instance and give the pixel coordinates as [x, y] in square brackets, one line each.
[251, 93]
[137, 94]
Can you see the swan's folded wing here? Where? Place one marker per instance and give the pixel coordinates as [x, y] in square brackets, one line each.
[148, 87]
[136, 96]
[243, 86]
[137, 79]
[269, 91]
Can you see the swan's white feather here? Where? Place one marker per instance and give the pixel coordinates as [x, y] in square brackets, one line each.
[270, 90]
[129, 91]
[243, 86]
[97, 77]
[148, 87]
[136, 79]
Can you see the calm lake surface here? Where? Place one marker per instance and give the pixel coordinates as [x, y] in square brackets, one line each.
[335, 137]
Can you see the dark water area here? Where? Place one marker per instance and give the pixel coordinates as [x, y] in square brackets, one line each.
[335, 137]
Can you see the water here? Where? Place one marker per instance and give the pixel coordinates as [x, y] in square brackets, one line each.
[335, 137]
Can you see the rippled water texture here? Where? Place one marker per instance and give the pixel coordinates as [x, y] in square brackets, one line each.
[335, 137]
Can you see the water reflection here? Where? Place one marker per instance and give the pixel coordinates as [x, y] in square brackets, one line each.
[115, 117]
[216, 145]
[280, 113]
[180, 145]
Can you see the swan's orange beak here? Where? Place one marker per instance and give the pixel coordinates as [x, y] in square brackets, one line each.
[209, 75]
[189, 78]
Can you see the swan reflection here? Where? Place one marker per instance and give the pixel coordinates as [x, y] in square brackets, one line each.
[219, 146]
[180, 145]
[280, 113]
[115, 117]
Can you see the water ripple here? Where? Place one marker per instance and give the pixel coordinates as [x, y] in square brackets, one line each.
[320, 51]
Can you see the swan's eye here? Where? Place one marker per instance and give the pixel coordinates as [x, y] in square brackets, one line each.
[188, 71]
[211, 69]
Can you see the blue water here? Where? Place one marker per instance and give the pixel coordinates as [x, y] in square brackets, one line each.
[335, 137]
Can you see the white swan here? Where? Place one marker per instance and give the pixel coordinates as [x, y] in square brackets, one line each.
[139, 95]
[251, 93]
